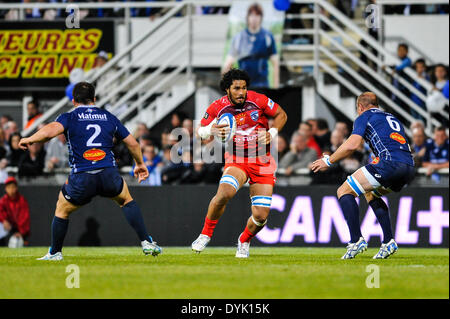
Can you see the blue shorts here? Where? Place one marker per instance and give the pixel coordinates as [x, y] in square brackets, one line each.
[391, 175]
[81, 187]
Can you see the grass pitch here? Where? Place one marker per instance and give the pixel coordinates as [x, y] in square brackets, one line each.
[281, 273]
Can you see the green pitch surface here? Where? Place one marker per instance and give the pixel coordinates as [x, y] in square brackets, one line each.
[281, 273]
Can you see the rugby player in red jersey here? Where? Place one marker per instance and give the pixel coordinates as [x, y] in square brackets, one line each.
[249, 160]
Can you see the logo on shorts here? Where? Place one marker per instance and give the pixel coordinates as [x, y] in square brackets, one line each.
[377, 175]
[94, 155]
[398, 137]
[67, 196]
[254, 115]
[376, 160]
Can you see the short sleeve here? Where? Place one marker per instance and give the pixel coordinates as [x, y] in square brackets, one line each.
[210, 115]
[64, 120]
[121, 131]
[359, 127]
[268, 106]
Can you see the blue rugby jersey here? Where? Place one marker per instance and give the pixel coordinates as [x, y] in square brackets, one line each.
[252, 52]
[385, 135]
[89, 133]
[436, 154]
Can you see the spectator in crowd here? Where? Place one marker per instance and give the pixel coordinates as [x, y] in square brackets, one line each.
[252, 48]
[153, 162]
[337, 139]
[418, 147]
[282, 145]
[343, 127]
[4, 147]
[437, 151]
[33, 112]
[417, 124]
[176, 120]
[10, 128]
[15, 152]
[5, 118]
[172, 173]
[440, 77]
[141, 130]
[322, 134]
[405, 62]
[306, 129]
[421, 70]
[57, 154]
[32, 163]
[145, 140]
[301, 156]
[14, 212]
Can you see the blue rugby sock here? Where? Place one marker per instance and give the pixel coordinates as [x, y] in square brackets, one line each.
[351, 213]
[382, 212]
[59, 230]
[134, 217]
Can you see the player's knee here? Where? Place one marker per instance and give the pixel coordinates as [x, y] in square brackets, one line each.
[222, 198]
[259, 219]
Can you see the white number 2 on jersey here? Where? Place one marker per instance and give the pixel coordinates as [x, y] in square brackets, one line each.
[98, 129]
[393, 123]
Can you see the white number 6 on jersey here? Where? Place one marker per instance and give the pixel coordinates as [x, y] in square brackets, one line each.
[97, 129]
[393, 123]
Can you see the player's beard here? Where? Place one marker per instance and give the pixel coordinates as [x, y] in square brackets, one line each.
[236, 104]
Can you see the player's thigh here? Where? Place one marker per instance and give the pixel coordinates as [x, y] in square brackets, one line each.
[359, 183]
[377, 193]
[63, 207]
[124, 197]
[261, 198]
[232, 180]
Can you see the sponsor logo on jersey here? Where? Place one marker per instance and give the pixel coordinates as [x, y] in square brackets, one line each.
[92, 117]
[94, 155]
[270, 104]
[254, 115]
[398, 137]
[240, 119]
[376, 160]
[206, 116]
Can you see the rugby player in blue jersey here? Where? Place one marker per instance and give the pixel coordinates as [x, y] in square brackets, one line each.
[89, 132]
[390, 171]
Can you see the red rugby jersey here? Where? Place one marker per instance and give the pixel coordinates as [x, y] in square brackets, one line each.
[249, 119]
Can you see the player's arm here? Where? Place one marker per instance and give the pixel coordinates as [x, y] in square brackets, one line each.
[46, 133]
[279, 120]
[140, 170]
[345, 150]
[275, 59]
[208, 125]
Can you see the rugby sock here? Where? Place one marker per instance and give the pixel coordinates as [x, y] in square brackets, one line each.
[351, 213]
[382, 212]
[208, 227]
[59, 230]
[134, 217]
[246, 236]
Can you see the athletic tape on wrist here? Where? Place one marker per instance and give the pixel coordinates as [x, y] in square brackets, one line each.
[326, 159]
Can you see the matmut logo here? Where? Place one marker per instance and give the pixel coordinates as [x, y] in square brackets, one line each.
[92, 117]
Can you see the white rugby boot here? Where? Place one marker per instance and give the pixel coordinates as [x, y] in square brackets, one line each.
[151, 248]
[200, 243]
[243, 249]
[55, 257]
[386, 250]
[354, 249]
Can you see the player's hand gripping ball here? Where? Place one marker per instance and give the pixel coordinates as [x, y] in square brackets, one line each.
[228, 123]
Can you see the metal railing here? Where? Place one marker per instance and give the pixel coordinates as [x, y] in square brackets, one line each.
[125, 57]
[341, 55]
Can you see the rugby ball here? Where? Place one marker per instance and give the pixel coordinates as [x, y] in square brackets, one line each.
[228, 119]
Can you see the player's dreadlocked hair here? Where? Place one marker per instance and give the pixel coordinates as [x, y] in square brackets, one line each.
[232, 75]
[83, 93]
